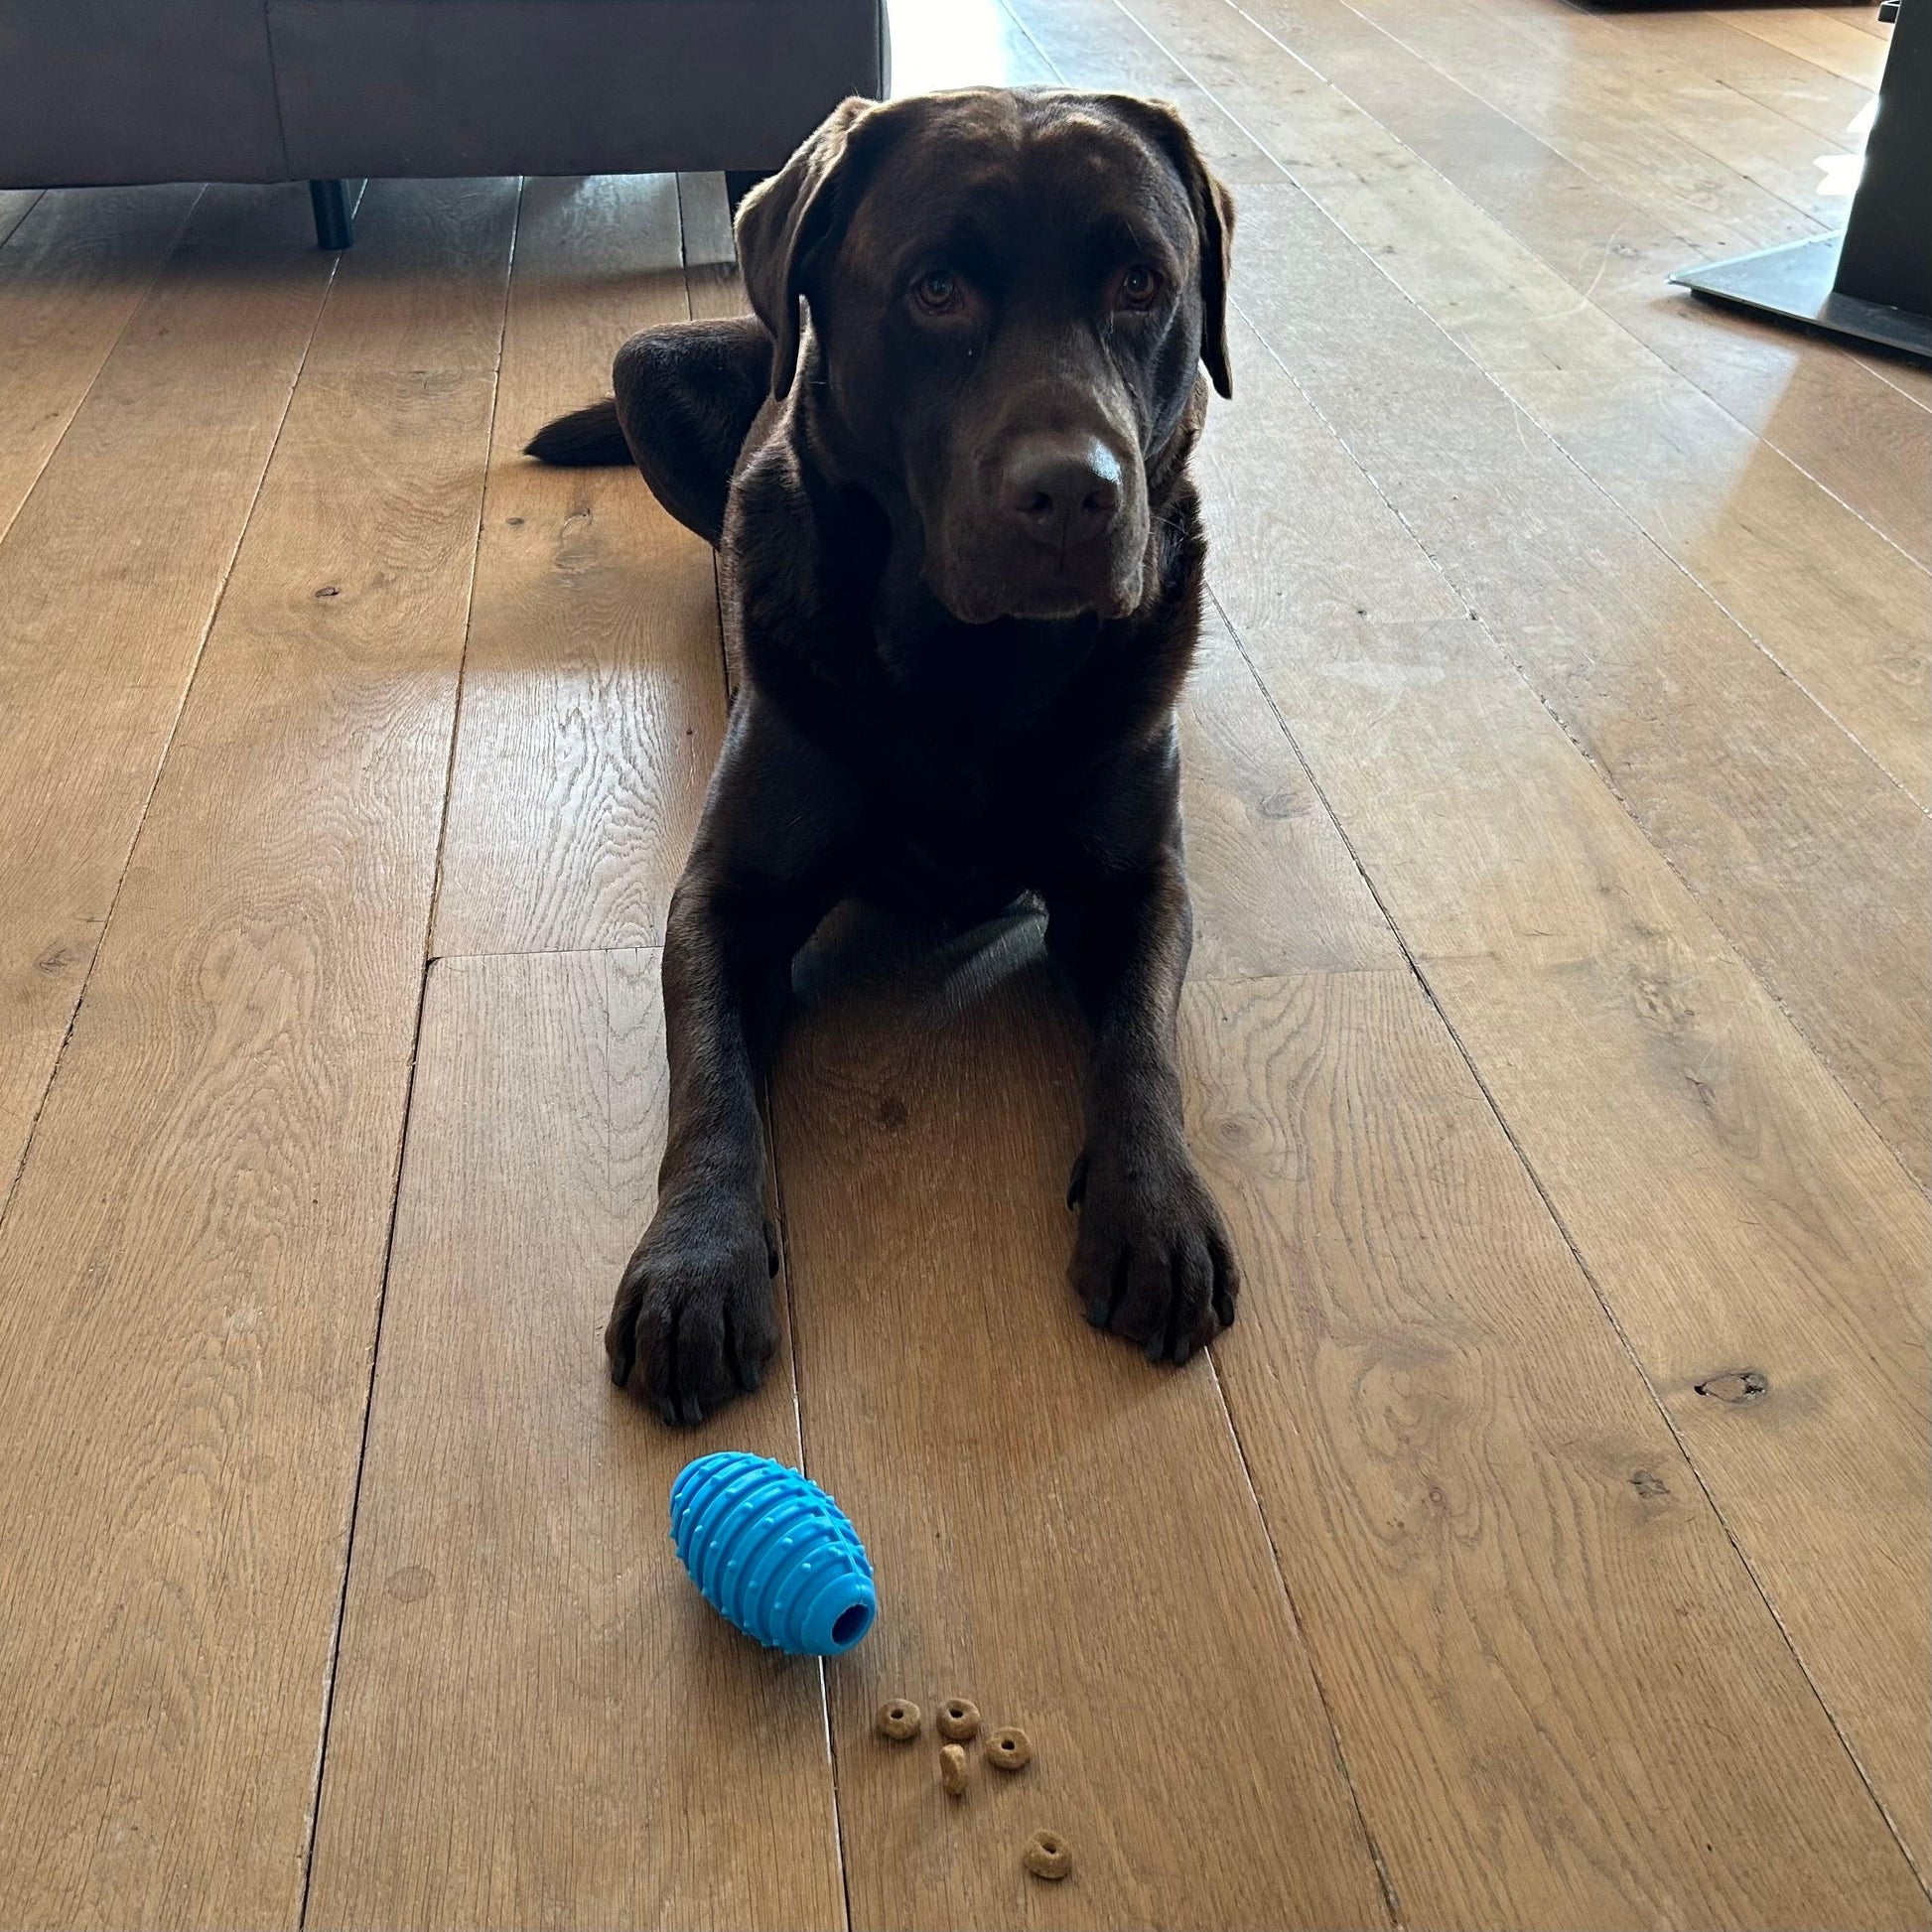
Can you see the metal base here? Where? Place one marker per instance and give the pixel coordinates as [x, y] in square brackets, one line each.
[334, 224]
[1795, 282]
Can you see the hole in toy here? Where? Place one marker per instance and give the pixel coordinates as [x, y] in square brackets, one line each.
[851, 1625]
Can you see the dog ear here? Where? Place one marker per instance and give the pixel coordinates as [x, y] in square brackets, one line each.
[783, 220]
[1213, 210]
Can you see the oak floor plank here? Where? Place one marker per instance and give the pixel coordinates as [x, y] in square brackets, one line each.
[1812, 862]
[1698, 195]
[1828, 41]
[712, 287]
[190, 1267]
[1824, 593]
[1910, 379]
[1798, 88]
[1830, 414]
[1732, 1207]
[1276, 890]
[593, 701]
[1824, 882]
[1759, 143]
[1864, 17]
[536, 1719]
[1487, 1555]
[71, 274]
[124, 542]
[1510, 1581]
[1079, 1551]
[1827, 412]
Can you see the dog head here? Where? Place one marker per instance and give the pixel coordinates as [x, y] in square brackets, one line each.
[1011, 294]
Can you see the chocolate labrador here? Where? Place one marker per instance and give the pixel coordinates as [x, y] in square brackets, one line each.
[962, 569]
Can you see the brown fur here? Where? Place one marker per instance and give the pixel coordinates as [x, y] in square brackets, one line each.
[963, 566]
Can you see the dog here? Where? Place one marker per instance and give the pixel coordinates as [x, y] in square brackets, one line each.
[962, 567]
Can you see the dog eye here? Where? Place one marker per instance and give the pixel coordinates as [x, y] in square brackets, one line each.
[937, 293]
[1138, 287]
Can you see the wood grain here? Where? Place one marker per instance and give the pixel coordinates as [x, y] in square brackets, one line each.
[1865, 17]
[1696, 726]
[593, 691]
[1273, 889]
[1804, 92]
[1760, 144]
[1837, 46]
[537, 1722]
[1821, 879]
[1831, 416]
[201, 1226]
[1566, 1560]
[1488, 1552]
[124, 544]
[1819, 589]
[1910, 379]
[70, 279]
[1730, 1202]
[1586, 114]
[1080, 1552]
[1510, 1581]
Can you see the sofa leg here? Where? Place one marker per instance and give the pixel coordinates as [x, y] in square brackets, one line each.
[739, 182]
[335, 225]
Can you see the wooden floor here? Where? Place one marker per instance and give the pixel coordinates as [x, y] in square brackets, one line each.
[1547, 1546]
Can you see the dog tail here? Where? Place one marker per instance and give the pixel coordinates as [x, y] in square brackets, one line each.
[582, 440]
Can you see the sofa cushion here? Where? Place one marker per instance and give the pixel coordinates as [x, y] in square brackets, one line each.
[562, 87]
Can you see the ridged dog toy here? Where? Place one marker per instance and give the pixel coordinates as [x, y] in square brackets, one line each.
[772, 1554]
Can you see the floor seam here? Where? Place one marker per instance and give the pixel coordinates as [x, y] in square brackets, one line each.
[312, 1836]
[429, 964]
[1636, 525]
[1574, 1249]
[120, 336]
[1509, 658]
[470, 600]
[168, 746]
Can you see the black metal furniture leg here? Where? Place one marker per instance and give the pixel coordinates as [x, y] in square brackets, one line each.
[335, 225]
[1872, 283]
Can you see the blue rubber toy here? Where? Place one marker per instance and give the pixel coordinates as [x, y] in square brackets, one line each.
[772, 1554]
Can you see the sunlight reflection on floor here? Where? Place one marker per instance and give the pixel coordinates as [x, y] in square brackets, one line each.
[1840, 172]
[956, 44]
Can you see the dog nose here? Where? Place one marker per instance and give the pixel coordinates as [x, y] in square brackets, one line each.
[1061, 490]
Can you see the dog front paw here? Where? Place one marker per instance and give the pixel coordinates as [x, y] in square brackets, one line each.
[1152, 1261]
[695, 1321]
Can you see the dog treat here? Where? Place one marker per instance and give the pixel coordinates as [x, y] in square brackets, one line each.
[899, 1720]
[1010, 1748]
[952, 1769]
[959, 1719]
[1048, 1856]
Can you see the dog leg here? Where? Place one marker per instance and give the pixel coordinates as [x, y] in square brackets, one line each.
[686, 396]
[695, 1319]
[1152, 1261]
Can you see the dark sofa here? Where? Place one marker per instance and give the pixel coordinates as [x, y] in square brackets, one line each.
[139, 90]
